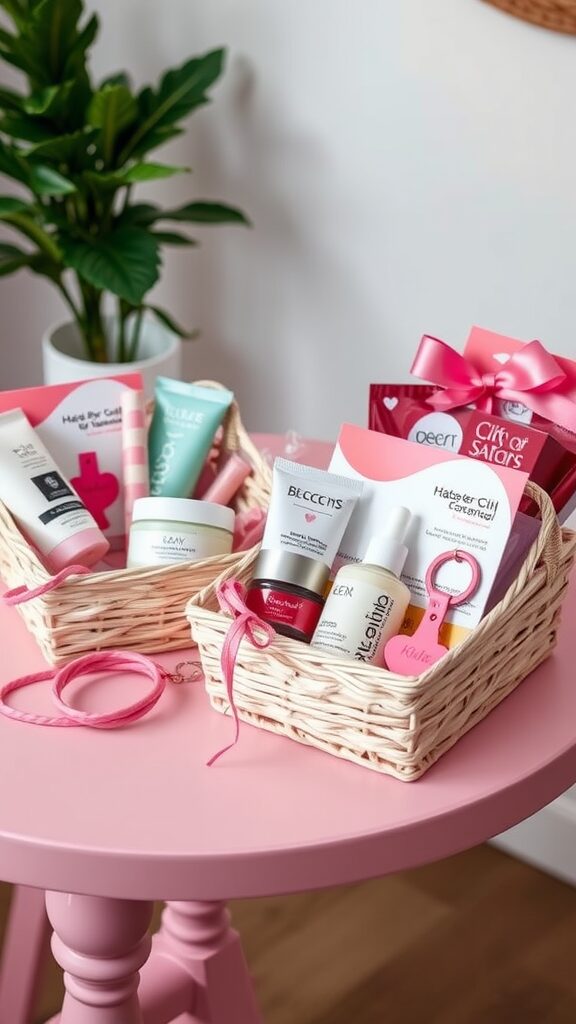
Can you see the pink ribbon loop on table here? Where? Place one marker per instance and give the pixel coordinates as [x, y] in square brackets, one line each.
[19, 595]
[231, 598]
[531, 376]
[96, 661]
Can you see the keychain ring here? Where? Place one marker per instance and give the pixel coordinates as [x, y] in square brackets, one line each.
[128, 661]
[457, 556]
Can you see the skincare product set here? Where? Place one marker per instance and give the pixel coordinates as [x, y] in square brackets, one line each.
[421, 523]
[83, 475]
[169, 525]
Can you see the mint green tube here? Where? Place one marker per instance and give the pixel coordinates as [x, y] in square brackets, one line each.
[186, 417]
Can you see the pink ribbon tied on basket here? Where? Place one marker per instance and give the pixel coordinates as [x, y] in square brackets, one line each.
[231, 597]
[531, 376]
[19, 595]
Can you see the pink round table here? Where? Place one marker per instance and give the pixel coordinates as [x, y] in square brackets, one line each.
[129, 816]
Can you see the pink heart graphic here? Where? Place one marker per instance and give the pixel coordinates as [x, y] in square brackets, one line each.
[310, 517]
[390, 403]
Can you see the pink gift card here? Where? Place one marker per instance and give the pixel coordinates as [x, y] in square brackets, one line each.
[457, 503]
[81, 423]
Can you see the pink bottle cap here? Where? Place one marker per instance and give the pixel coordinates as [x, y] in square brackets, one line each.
[229, 480]
[86, 547]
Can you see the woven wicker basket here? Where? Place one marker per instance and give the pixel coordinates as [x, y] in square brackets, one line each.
[397, 725]
[140, 609]
[559, 15]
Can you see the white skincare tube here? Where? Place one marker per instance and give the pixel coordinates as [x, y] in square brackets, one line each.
[309, 510]
[44, 504]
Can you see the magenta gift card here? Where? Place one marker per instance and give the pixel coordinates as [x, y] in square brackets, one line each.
[80, 423]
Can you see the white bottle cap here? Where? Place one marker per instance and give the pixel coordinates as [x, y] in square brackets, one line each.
[387, 549]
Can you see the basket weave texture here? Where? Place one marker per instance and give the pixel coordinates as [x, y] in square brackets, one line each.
[397, 725]
[139, 609]
[559, 15]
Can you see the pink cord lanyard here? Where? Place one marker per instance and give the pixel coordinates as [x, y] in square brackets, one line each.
[245, 623]
[231, 598]
[101, 661]
[413, 655]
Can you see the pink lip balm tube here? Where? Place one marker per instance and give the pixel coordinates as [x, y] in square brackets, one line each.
[229, 480]
[134, 452]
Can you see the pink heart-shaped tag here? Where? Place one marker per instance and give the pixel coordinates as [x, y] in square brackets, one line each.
[309, 517]
[390, 403]
[409, 658]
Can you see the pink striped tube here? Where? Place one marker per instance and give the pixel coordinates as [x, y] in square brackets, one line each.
[134, 452]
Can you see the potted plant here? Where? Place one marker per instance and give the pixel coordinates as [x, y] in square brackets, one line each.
[77, 151]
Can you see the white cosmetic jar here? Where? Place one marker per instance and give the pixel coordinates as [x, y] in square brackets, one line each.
[169, 530]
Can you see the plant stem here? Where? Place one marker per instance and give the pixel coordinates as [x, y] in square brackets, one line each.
[121, 355]
[93, 327]
[135, 342]
[76, 313]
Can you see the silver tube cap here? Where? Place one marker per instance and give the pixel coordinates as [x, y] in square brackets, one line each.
[285, 567]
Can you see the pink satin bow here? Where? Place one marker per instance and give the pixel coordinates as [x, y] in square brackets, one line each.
[531, 376]
[231, 598]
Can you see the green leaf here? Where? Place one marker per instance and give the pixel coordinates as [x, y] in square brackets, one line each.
[14, 9]
[77, 53]
[118, 78]
[47, 182]
[12, 258]
[41, 102]
[173, 238]
[112, 108]
[204, 212]
[26, 224]
[171, 324]
[12, 164]
[180, 91]
[53, 33]
[125, 262]
[31, 129]
[64, 149]
[64, 104]
[131, 176]
[11, 100]
[142, 214]
[10, 204]
[151, 172]
[152, 140]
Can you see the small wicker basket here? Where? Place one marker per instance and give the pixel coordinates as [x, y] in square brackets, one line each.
[139, 609]
[397, 725]
[558, 15]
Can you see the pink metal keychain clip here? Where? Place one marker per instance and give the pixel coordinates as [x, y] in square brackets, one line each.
[411, 655]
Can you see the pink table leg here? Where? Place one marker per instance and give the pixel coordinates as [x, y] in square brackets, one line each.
[197, 937]
[25, 949]
[101, 945]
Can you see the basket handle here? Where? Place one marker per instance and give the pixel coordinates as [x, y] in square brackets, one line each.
[547, 547]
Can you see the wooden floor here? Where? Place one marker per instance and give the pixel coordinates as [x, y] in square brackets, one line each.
[477, 939]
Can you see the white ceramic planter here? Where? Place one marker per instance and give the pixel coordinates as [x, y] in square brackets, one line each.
[160, 354]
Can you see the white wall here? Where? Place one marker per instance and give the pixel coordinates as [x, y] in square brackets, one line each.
[409, 167]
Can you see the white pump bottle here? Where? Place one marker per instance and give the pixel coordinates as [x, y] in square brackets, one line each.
[368, 601]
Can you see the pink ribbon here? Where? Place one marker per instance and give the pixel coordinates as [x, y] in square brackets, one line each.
[231, 598]
[19, 595]
[97, 661]
[531, 376]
